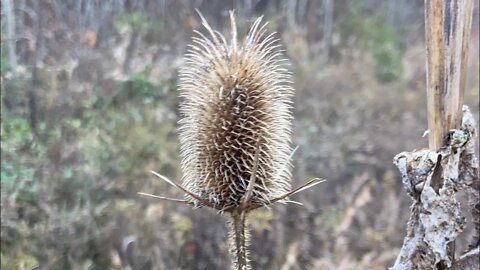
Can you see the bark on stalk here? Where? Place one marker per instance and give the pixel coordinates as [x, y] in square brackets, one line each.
[447, 29]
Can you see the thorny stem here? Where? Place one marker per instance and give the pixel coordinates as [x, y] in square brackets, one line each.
[238, 238]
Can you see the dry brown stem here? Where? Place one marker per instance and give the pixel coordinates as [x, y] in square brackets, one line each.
[447, 30]
[433, 177]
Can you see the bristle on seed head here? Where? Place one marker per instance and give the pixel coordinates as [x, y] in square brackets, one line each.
[236, 119]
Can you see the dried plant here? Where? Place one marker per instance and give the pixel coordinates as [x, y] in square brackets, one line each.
[235, 127]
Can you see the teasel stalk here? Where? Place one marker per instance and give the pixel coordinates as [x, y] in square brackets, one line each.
[235, 128]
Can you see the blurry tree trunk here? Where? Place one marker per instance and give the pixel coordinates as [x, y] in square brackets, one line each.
[132, 47]
[291, 7]
[433, 177]
[10, 20]
[32, 95]
[136, 29]
[327, 29]
[302, 10]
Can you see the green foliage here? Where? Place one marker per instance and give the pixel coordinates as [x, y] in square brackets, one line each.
[140, 85]
[18, 188]
[131, 21]
[63, 181]
[156, 32]
[371, 30]
[4, 61]
[17, 149]
[13, 93]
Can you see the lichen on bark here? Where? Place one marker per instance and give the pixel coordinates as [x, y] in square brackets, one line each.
[433, 179]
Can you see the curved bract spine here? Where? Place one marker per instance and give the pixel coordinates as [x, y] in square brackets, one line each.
[236, 96]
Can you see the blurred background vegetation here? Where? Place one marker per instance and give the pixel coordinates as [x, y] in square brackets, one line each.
[89, 105]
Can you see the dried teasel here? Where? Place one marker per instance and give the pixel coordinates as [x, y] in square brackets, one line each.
[235, 127]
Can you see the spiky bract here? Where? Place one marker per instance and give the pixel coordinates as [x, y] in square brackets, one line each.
[236, 97]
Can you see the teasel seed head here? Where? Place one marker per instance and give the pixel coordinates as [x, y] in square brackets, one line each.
[236, 119]
[235, 128]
